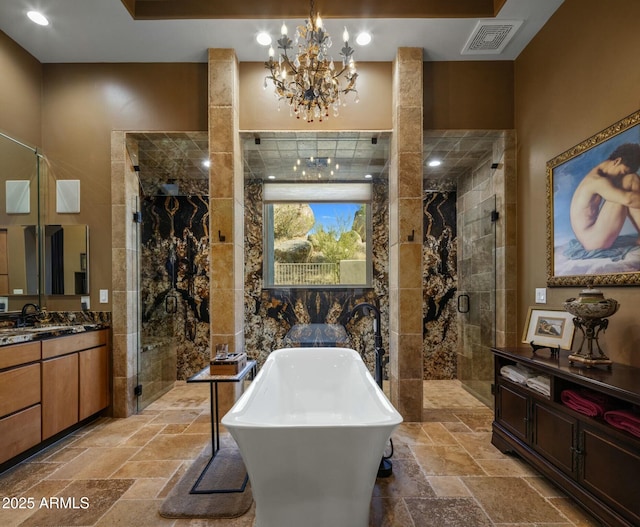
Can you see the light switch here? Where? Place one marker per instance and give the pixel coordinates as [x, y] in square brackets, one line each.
[541, 295]
[104, 296]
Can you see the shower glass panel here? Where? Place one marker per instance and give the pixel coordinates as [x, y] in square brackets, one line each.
[172, 216]
[477, 292]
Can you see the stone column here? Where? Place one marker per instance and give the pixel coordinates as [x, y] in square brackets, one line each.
[125, 322]
[226, 209]
[405, 235]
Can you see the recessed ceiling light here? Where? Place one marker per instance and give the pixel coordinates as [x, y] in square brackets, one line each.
[363, 38]
[206, 163]
[368, 176]
[434, 163]
[271, 177]
[38, 18]
[263, 38]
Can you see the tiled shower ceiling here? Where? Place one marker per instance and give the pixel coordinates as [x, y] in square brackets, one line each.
[172, 163]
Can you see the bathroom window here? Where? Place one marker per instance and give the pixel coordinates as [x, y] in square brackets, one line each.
[317, 234]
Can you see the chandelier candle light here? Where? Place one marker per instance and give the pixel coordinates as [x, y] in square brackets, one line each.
[308, 80]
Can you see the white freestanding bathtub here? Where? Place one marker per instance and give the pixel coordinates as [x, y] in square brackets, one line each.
[312, 429]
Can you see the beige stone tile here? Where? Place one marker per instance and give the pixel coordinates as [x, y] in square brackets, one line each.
[91, 499]
[141, 513]
[147, 469]
[505, 467]
[446, 460]
[95, 462]
[406, 480]
[511, 500]
[145, 489]
[439, 434]
[184, 446]
[545, 487]
[448, 487]
[576, 514]
[389, 512]
[144, 435]
[479, 446]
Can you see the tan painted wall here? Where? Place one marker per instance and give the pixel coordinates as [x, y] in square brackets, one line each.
[259, 106]
[82, 104]
[20, 93]
[468, 95]
[579, 75]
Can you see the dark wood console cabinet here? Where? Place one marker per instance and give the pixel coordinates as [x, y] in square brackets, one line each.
[592, 461]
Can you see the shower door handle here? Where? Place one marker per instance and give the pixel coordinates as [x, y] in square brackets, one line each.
[463, 303]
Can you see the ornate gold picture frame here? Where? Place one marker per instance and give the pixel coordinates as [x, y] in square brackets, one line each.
[593, 209]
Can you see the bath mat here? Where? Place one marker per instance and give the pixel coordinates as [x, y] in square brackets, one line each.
[226, 472]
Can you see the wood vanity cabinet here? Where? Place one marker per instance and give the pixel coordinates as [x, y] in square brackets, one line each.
[75, 379]
[48, 386]
[593, 462]
[20, 408]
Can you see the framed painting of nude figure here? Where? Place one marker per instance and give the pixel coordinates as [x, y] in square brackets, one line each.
[593, 209]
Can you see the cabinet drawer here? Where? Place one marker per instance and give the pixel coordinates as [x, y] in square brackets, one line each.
[70, 343]
[19, 432]
[19, 388]
[19, 354]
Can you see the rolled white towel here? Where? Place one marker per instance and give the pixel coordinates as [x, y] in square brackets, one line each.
[517, 373]
[541, 384]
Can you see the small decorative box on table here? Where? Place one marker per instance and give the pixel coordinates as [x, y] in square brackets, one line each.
[228, 364]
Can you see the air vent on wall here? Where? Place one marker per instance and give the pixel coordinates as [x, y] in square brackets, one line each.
[490, 36]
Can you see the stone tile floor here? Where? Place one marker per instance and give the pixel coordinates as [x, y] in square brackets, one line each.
[446, 473]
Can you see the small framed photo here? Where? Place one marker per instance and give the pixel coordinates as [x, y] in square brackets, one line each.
[549, 327]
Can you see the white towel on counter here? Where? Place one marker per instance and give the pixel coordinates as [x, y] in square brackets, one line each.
[517, 373]
[541, 384]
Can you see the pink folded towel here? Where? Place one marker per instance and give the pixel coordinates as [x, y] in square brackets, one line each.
[586, 402]
[625, 420]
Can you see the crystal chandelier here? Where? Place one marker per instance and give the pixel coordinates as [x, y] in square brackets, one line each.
[308, 80]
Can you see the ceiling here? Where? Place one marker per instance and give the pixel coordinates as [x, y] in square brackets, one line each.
[93, 31]
[182, 30]
[172, 163]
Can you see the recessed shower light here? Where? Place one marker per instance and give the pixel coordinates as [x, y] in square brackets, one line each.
[434, 163]
[263, 38]
[206, 163]
[363, 38]
[38, 18]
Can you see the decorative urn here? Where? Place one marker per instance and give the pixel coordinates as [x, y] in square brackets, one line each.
[590, 311]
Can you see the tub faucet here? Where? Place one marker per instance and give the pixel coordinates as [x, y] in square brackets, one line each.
[366, 308]
[385, 469]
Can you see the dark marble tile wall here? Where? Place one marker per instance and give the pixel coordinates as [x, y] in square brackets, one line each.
[440, 327]
[271, 313]
[174, 288]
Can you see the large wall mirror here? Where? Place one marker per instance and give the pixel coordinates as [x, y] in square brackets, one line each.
[36, 258]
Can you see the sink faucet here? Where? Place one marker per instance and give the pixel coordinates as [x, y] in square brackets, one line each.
[28, 311]
[367, 308]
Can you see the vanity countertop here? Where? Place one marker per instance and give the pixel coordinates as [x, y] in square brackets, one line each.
[15, 335]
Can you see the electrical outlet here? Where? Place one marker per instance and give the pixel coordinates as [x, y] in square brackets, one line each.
[85, 303]
[4, 304]
[541, 295]
[104, 296]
